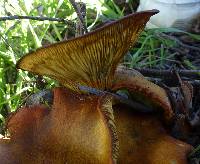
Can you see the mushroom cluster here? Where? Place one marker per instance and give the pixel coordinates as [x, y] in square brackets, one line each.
[87, 120]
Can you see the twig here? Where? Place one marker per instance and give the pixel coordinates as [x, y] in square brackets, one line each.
[195, 74]
[79, 28]
[131, 103]
[159, 81]
[178, 41]
[14, 17]
[78, 12]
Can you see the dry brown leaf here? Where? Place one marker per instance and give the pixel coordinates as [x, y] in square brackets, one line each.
[187, 91]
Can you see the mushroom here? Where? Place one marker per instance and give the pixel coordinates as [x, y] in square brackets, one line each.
[80, 127]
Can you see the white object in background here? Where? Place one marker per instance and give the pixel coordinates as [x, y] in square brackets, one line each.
[1, 136]
[173, 13]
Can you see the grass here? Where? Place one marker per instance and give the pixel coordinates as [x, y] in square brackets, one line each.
[153, 49]
[17, 38]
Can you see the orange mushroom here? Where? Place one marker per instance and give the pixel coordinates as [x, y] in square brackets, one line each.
[87, 128]
[83, 129]
[143, 90]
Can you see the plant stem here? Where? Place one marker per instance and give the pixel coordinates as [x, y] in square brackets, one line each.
[14, 17]
[78, 12]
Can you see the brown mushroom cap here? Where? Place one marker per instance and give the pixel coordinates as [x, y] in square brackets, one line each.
[81, 129]
[143, 140]
[143, 90]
